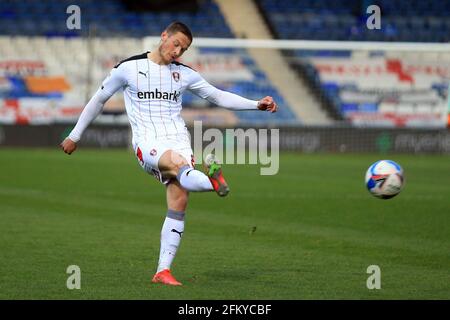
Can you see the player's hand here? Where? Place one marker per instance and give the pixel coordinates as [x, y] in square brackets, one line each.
[267, 104]
[68, 146]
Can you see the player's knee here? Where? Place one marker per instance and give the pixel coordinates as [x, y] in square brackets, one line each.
[171, 162]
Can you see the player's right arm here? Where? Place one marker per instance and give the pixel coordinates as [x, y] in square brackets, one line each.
[110, 85]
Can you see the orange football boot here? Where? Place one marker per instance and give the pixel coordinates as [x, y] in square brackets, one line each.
[214, 173]
[165, 277]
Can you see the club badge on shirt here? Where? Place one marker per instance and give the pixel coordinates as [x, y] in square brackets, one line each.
[176, 76]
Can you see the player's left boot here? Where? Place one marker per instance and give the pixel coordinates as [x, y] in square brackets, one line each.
[214, 173]
[165, 277]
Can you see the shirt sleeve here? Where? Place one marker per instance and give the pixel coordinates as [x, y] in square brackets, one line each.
[110, 85]
[205, 90]
[115, 80]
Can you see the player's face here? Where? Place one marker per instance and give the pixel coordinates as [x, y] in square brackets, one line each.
[173, 46]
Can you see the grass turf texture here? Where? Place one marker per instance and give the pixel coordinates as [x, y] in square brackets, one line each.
[309, 232]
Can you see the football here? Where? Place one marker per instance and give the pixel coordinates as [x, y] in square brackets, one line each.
[384, 179]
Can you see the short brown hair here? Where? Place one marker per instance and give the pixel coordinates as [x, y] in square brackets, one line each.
[177, 26]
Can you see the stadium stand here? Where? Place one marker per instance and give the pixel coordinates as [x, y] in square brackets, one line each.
[35, 42]
[109, 17]
[37, 50]
[346, 20]
[369, 88]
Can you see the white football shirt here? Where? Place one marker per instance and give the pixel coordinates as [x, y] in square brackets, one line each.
[153, 97]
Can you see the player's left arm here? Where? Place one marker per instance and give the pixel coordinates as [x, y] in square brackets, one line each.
[227, 99]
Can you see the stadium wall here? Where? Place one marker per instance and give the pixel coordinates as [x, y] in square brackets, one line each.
[337, 139]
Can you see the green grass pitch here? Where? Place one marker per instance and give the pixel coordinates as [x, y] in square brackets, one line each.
[309, 232]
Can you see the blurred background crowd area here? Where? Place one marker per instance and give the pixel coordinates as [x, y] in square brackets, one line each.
[48, 71]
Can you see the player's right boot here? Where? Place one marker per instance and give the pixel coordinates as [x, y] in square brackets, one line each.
[214, 173]
[165, 277]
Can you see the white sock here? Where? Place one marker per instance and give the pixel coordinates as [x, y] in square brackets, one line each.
[171, 233]
[194, 180]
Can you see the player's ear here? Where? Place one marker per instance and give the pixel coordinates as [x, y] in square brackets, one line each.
[164, 35]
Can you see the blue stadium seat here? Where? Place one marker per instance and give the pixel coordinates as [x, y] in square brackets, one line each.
[207, 22]
[345, 20]
[349, 107]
